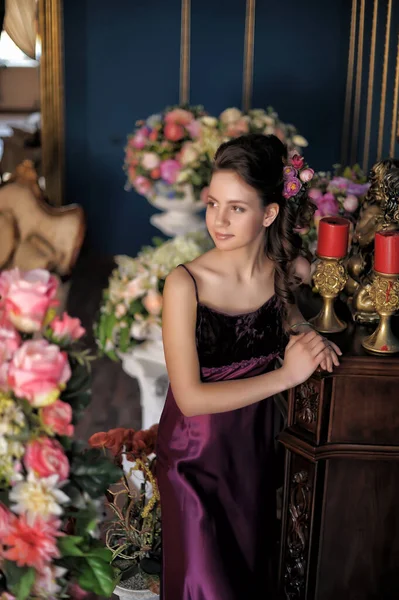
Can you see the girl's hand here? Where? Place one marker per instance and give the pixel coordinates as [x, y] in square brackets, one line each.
[332, 352]
[303, 355]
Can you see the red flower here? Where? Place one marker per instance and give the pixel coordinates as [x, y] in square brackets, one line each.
[32, 545]
[297, 161]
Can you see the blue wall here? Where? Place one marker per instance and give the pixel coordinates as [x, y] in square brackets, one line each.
[122, 63]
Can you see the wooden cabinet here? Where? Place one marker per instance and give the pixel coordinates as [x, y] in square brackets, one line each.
[340, 520]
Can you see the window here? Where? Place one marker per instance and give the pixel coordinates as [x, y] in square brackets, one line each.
[12, 56]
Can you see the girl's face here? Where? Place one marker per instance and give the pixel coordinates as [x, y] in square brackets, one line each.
[235, 215]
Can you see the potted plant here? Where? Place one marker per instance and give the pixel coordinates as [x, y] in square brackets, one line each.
[133, 530]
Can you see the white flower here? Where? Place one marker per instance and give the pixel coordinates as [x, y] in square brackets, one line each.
[150, 161]
[38, 496]
[300, 141]
[268, 120]
[120, 310]
[46, 582]
[209, 121]
[109, 345]
[230, 115]
[189, 154]
[135, 288]
[184, 175]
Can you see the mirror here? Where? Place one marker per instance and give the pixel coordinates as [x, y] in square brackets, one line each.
[31, 92]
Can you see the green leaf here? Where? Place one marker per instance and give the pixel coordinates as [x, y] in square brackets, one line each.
[124, 339]
[19, 579]
[102, 553]
[68, 545]
[97, 576]
[93, 472]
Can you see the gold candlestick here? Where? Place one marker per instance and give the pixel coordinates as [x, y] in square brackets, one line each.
[330, 279]
[384, 293]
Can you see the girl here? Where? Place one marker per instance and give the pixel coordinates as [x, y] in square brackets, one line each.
[227, 317]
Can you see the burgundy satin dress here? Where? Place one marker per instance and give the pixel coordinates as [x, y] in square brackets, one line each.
[216, 473]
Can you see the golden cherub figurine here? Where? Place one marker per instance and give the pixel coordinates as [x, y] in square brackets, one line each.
[380, 210]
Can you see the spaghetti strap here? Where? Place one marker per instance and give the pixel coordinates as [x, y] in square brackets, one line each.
[193, 278]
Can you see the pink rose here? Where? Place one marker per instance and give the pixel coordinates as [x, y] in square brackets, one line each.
[142, 185]
[194, 129]
[153, 302]
[67, 328]
[306, 175]
[57, 417]
[5, 519]
[179, 116]
[169, 170]
[315, 194]
[38, 372]
[9, 338]
[297, 161]
[26, 297]
[139, 140]
[46, 457]
[351, 203]
[173, 132]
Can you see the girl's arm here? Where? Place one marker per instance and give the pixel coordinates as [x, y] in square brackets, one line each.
[194, 397]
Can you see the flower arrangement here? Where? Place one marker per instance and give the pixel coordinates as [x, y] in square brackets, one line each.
[339, 193]
[133, 533]
[131, 310]
[49, 490]
[234, 123]
[174, 149]
[159, 148]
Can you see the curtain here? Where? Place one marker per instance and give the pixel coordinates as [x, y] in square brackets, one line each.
[21, 24]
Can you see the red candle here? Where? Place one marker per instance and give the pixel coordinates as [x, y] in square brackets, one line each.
[333, 237]
[386, 252]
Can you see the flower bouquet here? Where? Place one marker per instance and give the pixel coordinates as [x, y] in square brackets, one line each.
[159, 149]
[131, 310]
[133, 533]
[49, 491]
[339, 193]
[234, 123]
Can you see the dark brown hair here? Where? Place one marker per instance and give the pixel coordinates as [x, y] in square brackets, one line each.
[259, 160]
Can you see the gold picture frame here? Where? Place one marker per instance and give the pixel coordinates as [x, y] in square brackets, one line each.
[52, 99]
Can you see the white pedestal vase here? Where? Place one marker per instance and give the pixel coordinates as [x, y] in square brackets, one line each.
[146, 363]
[126, 594]
[179, 216]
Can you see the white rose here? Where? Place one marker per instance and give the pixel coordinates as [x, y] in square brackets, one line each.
[269, 130]
[135, 288]
[300, 141]
[189, 154]
[268, 120]
[230, 115]
[150, 161]
[209, 121]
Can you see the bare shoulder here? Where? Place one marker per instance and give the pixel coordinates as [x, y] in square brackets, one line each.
[179, 285]
[204, 264]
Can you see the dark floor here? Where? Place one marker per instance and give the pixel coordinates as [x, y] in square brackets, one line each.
[115, 397]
